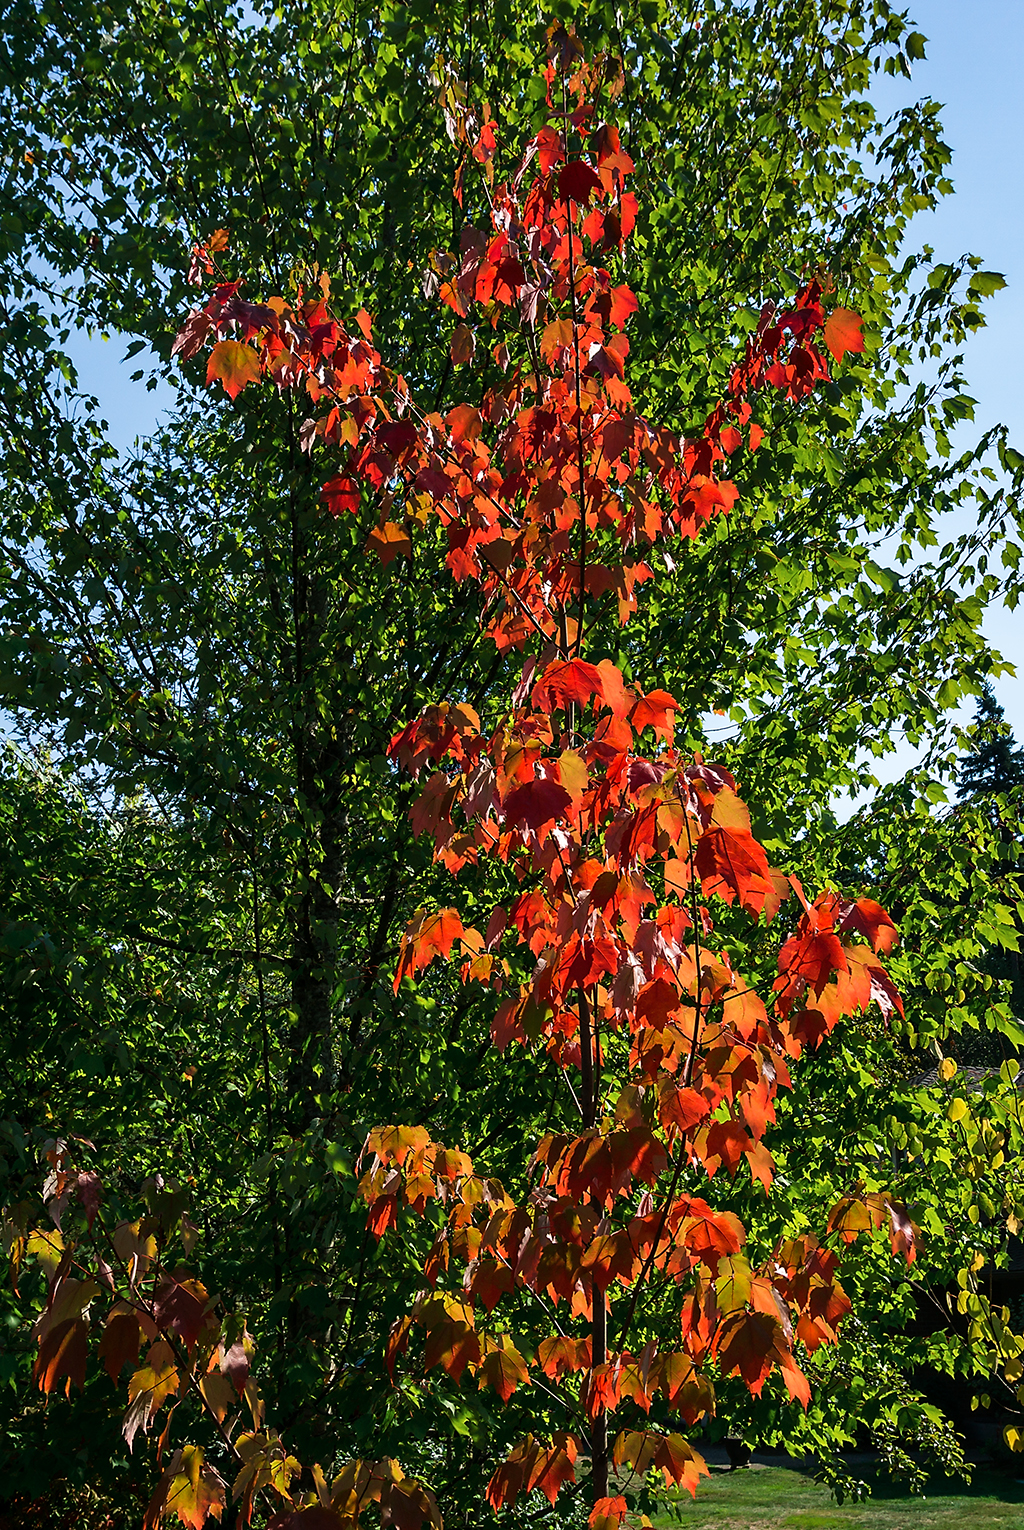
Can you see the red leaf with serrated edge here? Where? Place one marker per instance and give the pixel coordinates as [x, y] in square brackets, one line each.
[643, 1449]
[655, 710]
[810, 958]
[180, 1305]
[733, 866]
[843, 332]
[509, 1480]
[463, 345]
[681, 1464]
[553, 1467]
[577, 182]
[62, 1353]
[464, 423]
[453, 1344]
[122, 1338]
[234, 366]
[560, 1355]
[341, 496]
[751, 1343]
[535, 804]
[623, 305]
[870, 920]
[549, 149]
[613, 689]
[571, 683]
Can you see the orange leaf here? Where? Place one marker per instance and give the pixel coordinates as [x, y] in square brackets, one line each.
[427, 936]
[655, 710]
[843, 332]
[504, 1369]
[557, 336]
[567, 684]
[234, 365]
[553, 1467]
[389, 541]
[558, 1355]
[464, 423]
[607, 1513]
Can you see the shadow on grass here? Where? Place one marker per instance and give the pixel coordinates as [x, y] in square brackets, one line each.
[986, 1482]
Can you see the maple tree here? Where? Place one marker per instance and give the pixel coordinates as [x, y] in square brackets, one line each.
[205, 989]
[678, 1055]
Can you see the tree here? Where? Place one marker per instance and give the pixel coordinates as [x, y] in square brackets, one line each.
[995, 763]
[677, 1054]
[990, 776]
[174, 637]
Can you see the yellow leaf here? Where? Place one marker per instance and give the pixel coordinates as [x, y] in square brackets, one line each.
[572, 773]
[190, 1489]
[729, 812]
[148, 1387]
[1013, 1437]
[733, 1285]
[48, 1248]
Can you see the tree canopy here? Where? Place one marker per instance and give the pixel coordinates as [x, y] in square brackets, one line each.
[209, 862]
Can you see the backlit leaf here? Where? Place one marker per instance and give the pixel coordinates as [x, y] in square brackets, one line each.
[843, 332]
[234, 366]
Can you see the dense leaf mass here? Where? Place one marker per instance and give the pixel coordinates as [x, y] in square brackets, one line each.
[359, 801]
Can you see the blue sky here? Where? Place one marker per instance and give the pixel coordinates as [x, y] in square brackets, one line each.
[974, 67]
[975, 56]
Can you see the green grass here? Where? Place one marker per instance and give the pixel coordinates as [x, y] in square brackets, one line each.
[778, 1498]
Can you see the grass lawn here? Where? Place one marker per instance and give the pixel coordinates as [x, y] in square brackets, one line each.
[778, 1498]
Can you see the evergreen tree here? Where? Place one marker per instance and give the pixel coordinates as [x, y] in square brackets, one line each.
[996, 763]
[994, 767]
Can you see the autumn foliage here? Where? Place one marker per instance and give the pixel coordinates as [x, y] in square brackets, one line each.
[620, 855]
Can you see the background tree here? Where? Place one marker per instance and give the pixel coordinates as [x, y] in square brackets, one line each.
[212, 670]
[995, 762]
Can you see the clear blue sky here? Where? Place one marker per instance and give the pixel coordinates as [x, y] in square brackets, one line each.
[974, 65]
[975, 68]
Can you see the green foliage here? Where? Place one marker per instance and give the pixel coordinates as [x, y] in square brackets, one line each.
[206, 859]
